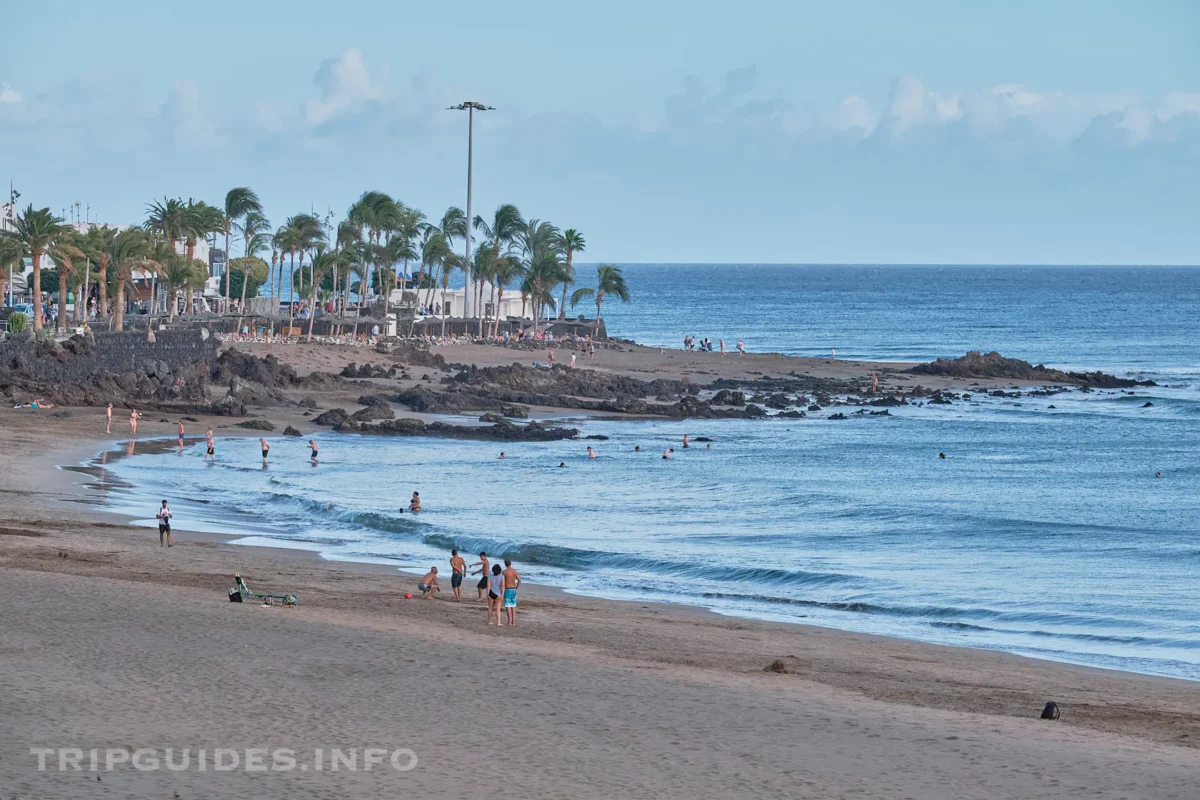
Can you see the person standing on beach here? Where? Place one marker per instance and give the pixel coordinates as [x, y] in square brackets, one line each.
[312, 445]
[134, 416]
[180, 436]
[741, 347]
[550, 355]
[266, 449]
[164, 524]
[722, 341]
[208, 440]
[483, 565]
[458, 569]
[512, 582]
[572, 361]
[108, 419]
[495, 593]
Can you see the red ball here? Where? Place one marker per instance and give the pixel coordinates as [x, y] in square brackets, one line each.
[408, 596]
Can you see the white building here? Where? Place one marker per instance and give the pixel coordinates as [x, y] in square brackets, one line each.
[454, 302]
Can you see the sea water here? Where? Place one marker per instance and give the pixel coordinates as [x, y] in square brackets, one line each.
[1043, 532]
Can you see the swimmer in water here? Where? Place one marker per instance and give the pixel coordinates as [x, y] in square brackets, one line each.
[1158, 474]
[685, 441]
[266, 448]
[942, 456]
[637, 448]
[502, 454]
[591, 453]
[208, 440]
[180, 436]
[312, 445]
[668, 452]
[415, 504]
[562, 463]
[708, 447]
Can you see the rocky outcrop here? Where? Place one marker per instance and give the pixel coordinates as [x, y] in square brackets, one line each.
[332, 418]
[502, 431]
[994, 365]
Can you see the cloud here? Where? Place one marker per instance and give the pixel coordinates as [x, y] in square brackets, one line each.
[9, 94]
[346, 85]
[188, 121]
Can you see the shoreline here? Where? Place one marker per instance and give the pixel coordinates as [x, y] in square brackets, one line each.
[379, 564]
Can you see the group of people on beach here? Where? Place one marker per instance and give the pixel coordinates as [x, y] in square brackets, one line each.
[499, 584]
[706, 345]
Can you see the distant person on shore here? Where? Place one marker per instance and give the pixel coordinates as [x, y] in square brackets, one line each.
[833, 354]
[180, 435]
[741, 347]
[134, 416]
[164, 524]
[458, 570]
[312, 445]
[429, 585]
[266, 448]
[512, 582]
[685, 441]
[550, 355]
[483, 565]
[414, 505]
[572, 361]
[591, 453]
[495, 583]
[669, 452]
[108, 419]
[591, 350]
[208, 440]
[722, 341]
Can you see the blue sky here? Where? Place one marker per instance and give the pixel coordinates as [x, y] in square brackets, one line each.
[793, 132]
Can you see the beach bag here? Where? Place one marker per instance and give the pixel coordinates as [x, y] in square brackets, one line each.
[1050, 711]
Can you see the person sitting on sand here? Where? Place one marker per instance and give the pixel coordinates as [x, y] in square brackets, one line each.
[669, 452]
[414, 505]
[429, 585]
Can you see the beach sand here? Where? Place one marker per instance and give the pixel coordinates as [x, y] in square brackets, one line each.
[109, 641]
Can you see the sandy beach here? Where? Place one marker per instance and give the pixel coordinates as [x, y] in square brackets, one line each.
[112, 642]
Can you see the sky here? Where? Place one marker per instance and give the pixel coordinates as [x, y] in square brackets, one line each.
[1053, 132]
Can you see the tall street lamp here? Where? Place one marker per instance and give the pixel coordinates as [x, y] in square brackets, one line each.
[470, 107]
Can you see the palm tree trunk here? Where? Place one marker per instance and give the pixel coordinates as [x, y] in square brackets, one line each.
[499, 302]
[292, 291]
[495, 311]
[102, 291]
[153, 294]
[37, 290]
[226, 275]
[562, 309]
[242, 302]
[119, 311]
[62, 298]
[312, 312]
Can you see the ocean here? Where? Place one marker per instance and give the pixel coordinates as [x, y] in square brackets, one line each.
[1044, 532]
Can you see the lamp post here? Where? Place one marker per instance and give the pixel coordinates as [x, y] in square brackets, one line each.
[470, 107]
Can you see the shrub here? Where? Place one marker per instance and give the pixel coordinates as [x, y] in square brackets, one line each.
[17, 322]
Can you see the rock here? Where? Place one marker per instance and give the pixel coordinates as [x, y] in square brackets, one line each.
[290, 431]
[598, 437]
[776, 666]
[256, 425]
[373, 412]
[837, 416]
[994, 365]
[494, 418]
[332, 417]
[307, 402]
[793, 414]
[61, 414]
[514, 411]
[1148, 404]
[729, 397]
[814, 407]
[778, 401]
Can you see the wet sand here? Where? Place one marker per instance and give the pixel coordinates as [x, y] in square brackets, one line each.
[110, 641]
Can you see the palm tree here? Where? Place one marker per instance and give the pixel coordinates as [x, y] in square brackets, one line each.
[506, 270]
[322, 264]
[168, 221]
[609, 281]
[131, 249]
[505, 229]
[570, 242]
[200, 219]
[240, 202]
[450, 262]
[180, 273]
[67, 257]
[538, 242]
[98, 246]
[253, 225]
[254, 245]
[38, 230]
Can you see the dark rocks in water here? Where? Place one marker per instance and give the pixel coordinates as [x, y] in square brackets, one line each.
[353, 370]
[837, 416]
[62, 414]
[373, 412]
[993, 365]
[494, 418]
[940, 399]
[514, 411]
[729, 397]
[599, 437]
[332, 417]
[701, 439]
[256, 425]
[890, 400]
[1051, 406]
[1148, 404]
[791, 415]
[1002, 393]
[290, 431]
[779, 401]
[505, 431]
[814, 407]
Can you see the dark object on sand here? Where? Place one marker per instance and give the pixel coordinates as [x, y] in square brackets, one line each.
[776, 666]
[290, 431]
[1050, 711]
[61, 414]
[241, 592]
